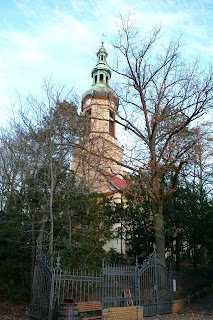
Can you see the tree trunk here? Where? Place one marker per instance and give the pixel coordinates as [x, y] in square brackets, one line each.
[159, 229]
[70, 229]
[51, 214]
[194, 257]
[41, 233]
[177, 253]
[33, 251]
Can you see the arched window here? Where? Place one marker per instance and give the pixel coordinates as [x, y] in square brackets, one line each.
[101, 77]
[96, 78]
[106, 79]
[102, 58]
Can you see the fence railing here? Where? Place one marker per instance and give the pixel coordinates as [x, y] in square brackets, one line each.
[107, 286]
[148, 284]
[117, 286]
[81, 285]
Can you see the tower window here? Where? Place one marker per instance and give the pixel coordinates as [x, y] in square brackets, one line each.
[102, 57]
[101, 77]
[89, 112]
[88, 115]
[106, 79]
[112, 128]
[96, 79]
[112, 114]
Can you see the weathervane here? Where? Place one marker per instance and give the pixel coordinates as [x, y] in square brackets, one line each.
[102, 35]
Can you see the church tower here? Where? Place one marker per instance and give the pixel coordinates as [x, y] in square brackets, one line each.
[100, 167]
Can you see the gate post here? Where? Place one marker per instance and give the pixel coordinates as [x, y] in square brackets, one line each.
[137, 284]
[55, 290]
[170, 282]
[155, 275]
[103, 300]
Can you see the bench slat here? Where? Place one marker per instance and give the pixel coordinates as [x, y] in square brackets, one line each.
[89, 306]
[97, 317]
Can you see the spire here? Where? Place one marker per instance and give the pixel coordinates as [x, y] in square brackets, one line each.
[101, 73]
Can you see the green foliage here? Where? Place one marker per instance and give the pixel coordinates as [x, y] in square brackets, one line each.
[19, 294]
[40, 198]
[135, 216]
[82, 232]
[114, 257]
[189, 222]
[15, 255]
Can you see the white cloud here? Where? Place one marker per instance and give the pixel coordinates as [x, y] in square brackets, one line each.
[60, 37]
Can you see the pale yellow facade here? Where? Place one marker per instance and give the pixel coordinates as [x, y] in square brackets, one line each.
[100, 154]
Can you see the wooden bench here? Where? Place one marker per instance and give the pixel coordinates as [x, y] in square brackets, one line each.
[91, 306]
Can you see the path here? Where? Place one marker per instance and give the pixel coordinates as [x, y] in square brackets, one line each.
[200, 310]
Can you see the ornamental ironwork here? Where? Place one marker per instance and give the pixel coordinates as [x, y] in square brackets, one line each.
[41, 287]
[147, 285]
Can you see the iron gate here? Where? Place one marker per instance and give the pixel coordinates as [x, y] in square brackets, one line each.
[41, 288]
[153, 286]
[147, 285]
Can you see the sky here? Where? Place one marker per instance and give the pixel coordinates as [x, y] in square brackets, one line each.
[59, 38]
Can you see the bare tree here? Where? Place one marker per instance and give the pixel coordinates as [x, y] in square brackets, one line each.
[37, 149]
[161, 99]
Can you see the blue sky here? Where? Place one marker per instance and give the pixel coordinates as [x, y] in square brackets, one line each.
[39, 38]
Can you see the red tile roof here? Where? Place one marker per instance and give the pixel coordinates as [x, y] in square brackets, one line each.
[120, 183]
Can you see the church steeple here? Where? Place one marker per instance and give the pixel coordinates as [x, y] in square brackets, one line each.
[99, 107]
[100, 89]
[99, 166]
[100, 103]
[101, 74]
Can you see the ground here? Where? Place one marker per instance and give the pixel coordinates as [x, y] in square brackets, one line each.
[10, 311]
[200, 310]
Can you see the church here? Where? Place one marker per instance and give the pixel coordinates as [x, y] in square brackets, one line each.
[99, 166]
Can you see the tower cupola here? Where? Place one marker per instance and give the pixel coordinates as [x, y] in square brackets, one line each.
[101, 74]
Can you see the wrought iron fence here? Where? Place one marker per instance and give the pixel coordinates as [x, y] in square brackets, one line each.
[41, 288]
[118, 286]
[154, 286]
[147, 285]
[80, 285]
